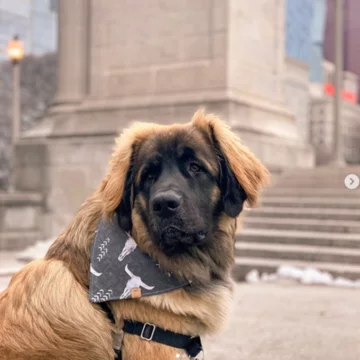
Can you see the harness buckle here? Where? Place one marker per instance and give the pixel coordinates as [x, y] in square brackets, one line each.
[143, 335]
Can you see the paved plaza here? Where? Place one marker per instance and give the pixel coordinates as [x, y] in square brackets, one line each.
[290, 322]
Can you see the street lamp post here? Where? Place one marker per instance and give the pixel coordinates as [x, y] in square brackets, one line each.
[16, 53]
[338, 148]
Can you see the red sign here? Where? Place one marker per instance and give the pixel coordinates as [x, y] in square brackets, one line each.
[346, 95]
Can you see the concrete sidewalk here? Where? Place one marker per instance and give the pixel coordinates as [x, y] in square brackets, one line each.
[290, 322]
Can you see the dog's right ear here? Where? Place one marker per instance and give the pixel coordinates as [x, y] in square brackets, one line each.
[123, 211]
[116, 182]
[116, 189]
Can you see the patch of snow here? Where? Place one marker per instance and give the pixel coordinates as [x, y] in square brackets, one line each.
[8, 271]
[265, 277]
[289, 272]
[253, 277]
[4, 282]
[340, 281]
[11, 262]
[305, 276]
[36, 251]
[314, 276]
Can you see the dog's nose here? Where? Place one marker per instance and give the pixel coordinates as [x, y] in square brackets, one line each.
[166, 203]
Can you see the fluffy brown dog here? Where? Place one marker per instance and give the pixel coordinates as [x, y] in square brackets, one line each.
[178, 189]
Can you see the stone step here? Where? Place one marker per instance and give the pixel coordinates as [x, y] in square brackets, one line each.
[312, 192]
[296, 252]
[18, 240]
[319, 180]
[20, 198]
[299, 237]
[245, 265]
[324, 173]
[300, 213]
[308, 202]
[324, 225]
[315, 184]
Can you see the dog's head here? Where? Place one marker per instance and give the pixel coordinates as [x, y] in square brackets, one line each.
[178, 188]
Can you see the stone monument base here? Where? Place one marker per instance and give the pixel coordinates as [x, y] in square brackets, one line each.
[65, 157]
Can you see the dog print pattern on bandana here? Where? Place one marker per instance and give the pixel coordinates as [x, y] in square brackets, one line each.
[120, 270]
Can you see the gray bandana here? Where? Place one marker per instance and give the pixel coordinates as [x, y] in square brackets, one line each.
[119, 270]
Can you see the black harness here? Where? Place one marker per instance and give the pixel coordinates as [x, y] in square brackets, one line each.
[150, 332]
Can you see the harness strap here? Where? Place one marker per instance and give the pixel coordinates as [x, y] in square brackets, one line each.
[118, 354]
[150, 332]
[106, 308]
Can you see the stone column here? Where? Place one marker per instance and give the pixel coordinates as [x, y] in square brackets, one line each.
[73, 51]
[256, 74]
[256, 40]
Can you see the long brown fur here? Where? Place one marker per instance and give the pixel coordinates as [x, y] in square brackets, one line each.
[45, 312]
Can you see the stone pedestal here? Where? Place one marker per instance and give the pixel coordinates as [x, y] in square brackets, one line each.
[159, 61]
[20, 219]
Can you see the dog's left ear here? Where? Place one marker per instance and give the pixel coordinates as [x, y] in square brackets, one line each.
[115, 188]
[242, 174]
[233, 195]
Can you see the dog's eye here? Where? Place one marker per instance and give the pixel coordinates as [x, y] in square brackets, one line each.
[151, 173]
[150, 176]
[193, 167]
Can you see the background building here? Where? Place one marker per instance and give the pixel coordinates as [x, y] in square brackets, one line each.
[304, 34]
[119, 62]
[254, 64]
[35, 21]
[351, 40]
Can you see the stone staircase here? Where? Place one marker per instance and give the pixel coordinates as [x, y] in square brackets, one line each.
[307, 219]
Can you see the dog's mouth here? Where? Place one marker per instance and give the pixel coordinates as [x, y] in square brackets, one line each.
[175, 240]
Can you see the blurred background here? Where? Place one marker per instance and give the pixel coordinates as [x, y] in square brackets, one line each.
[283, 73]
